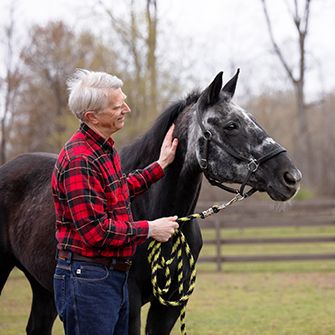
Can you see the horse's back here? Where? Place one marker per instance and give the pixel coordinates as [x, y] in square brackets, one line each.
[24, 180]
[33, 160]
[23, 173]
[26, 223]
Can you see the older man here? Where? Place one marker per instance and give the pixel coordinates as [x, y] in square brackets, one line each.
[95, 230]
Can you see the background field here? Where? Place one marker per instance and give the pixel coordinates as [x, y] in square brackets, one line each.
[253, 298]
[244, 299]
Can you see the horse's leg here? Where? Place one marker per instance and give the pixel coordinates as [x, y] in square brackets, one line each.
[6, 266]
[134, 312]
[43, 311]
[161, 319]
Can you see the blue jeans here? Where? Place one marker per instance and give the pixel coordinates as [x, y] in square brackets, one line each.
[91, 299]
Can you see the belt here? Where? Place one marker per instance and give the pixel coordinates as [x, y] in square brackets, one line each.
[118, 264]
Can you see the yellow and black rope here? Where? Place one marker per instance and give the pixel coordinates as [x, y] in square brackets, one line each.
[180, 250]
[157, 262]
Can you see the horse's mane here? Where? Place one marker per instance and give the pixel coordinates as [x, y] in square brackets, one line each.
[146, 149]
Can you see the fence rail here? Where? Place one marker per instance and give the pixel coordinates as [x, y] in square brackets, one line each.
[264, 240]
[261, 214]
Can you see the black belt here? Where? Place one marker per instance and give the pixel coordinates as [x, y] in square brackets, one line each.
[118, 264]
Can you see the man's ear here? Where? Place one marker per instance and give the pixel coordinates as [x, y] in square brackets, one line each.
[90, 117]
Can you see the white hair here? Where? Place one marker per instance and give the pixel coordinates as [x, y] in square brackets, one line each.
[89, 91]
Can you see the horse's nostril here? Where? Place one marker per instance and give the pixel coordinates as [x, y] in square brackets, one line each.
[292, 178]
[289, 178]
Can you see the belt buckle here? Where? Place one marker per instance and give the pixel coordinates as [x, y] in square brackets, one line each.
[128, 262]
[121, 264]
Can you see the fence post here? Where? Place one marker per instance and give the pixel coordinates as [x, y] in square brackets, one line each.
[218, 245]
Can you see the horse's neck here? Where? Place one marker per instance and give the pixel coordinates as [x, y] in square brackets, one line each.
[190, 176]
[182, 189]
[180, 198]
[175, 194]
[179, 189]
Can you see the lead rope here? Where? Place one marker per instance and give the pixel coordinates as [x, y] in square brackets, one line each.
[180, 247]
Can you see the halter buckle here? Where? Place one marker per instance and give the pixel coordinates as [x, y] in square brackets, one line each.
[253, 165]
[208, 135]
[203, 163]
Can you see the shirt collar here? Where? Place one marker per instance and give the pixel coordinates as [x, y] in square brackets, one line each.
[106, 144]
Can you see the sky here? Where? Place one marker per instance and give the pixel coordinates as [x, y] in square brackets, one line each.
[240, 34]
[218, 35]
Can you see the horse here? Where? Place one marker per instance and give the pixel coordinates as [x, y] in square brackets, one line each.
[217, 139]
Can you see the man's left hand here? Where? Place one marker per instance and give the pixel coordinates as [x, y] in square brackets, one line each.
[168, 149]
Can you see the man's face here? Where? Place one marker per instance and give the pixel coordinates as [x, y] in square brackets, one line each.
[111, 118]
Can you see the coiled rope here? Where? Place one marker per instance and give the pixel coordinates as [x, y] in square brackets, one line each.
[180, 250]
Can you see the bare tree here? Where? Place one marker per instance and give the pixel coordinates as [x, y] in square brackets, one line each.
[139, 37]
[9, 83]
[301, 24]
[43, 121]
[151, 15]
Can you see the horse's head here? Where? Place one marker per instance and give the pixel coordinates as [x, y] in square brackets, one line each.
[231, 147]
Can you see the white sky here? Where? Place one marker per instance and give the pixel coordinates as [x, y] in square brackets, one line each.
[218, 34]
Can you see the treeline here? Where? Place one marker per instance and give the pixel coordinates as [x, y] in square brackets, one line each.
[35, 116]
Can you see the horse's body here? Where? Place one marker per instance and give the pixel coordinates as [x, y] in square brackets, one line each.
[27, 220]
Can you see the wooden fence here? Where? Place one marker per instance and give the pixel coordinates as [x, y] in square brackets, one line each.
[260, 214]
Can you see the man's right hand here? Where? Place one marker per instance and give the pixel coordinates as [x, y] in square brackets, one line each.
[162, 229]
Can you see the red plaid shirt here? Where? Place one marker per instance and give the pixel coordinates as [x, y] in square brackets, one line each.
[92, 198]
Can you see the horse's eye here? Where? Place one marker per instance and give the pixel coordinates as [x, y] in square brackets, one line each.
[231, 126]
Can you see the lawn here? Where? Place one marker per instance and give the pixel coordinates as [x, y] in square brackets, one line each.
[300, 302]
[273, 298]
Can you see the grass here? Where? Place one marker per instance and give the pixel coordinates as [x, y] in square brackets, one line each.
[229, 303]
[263, 303]
[275, 298]
[15, 304]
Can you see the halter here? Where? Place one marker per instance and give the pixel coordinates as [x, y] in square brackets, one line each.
[252, 163]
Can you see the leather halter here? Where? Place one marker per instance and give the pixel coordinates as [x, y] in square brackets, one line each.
[252, 163]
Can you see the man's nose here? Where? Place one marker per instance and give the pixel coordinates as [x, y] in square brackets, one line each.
[126, 108]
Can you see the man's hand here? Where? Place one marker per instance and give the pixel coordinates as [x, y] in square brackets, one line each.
[168, 149]
[162, 229]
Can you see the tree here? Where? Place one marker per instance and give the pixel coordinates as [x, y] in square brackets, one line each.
[43, 120]
[301, 24]
[10, 83]
[138, 37]
[152, 20]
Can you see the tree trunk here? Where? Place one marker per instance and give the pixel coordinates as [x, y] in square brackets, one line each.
[3, 142]
[140, 96]
[151, 54]
[303, 148]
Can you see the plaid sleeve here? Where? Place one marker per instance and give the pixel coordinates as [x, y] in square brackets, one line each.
[87, 202]
[140, 180]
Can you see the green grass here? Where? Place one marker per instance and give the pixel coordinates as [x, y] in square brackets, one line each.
[229, 303]
[15, 304]
[263, 303]
[270, 298]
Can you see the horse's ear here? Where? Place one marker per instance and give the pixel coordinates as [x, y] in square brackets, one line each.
[212, 93]
[229, 88]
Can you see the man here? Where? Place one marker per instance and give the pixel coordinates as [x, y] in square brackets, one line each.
[95, 229]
